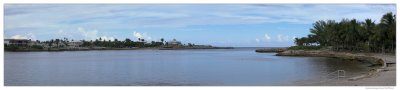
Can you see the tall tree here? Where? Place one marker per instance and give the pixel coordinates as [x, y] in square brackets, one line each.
[388, 26]
[353, 35]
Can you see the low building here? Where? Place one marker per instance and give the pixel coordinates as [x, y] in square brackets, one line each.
[6, 41]
[60, 44]
[17, 42]
[31, 43]
[75, 44]
[174, 42]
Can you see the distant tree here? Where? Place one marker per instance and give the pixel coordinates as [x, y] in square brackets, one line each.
[57, 42]
[128, 42]
[51, 43]
[162, 40]
[190, 45]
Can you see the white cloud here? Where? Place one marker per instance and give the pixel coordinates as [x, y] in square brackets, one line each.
[19, 37]
[61, 34]
[82, 33]
[294, 37]
[286, 38]
[93, 34]
[31, 36]
[127, 16]
[26, 36]
[137, 34]
[39, 19]
[107, 38]
[88, 34]
[282, 38]
[267, 38]
[257, 40]
[142, 36]
[279, 38]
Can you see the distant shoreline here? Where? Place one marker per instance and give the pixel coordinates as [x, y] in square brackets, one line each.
[91, 49]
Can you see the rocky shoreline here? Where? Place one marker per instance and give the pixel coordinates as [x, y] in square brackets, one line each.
[386, 72]
[271, 50]
[343, 55]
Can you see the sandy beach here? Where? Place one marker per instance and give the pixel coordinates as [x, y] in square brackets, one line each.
[384, 76]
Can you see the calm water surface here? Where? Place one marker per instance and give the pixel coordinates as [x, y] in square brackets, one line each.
[169, 67]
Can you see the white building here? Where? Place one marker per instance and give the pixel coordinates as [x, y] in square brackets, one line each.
[174, 42]
[17, 42]
[31, 43]
[6, 41]
[75, 44]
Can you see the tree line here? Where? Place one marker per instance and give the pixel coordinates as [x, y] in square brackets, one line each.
[122, 44]
[353, 35]
[127, 43]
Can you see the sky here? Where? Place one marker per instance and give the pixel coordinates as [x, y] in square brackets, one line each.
[234, 25]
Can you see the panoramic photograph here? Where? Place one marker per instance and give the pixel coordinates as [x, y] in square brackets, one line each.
[199, 44]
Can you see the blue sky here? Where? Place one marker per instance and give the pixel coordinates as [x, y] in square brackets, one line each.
[238, 25]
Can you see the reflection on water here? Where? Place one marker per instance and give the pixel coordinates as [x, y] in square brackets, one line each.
[168, 67]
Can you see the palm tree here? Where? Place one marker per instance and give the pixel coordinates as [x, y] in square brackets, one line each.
[388, 26]
[298, 42]
[51, 43]
[162, 41]
[353, 35]
[367, 32]
[57, 42]
[128, 42]
[318, 32]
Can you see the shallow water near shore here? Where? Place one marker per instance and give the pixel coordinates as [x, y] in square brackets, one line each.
[206, 67]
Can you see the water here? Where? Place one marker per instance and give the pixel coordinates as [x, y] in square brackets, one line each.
[240, 67]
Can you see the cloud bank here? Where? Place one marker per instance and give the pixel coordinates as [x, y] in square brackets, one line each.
[128, 16]
[92, 21]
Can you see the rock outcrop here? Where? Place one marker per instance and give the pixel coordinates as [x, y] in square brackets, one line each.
[271, 50]
[343, 55]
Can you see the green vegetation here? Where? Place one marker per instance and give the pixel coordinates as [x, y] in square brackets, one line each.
[127, 43]
[66, 44]
[304, 47]
[10, 47]
[353, 35]
[36, 47]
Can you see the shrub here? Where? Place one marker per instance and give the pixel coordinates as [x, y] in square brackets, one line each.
[11, 48]
[37, 47]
